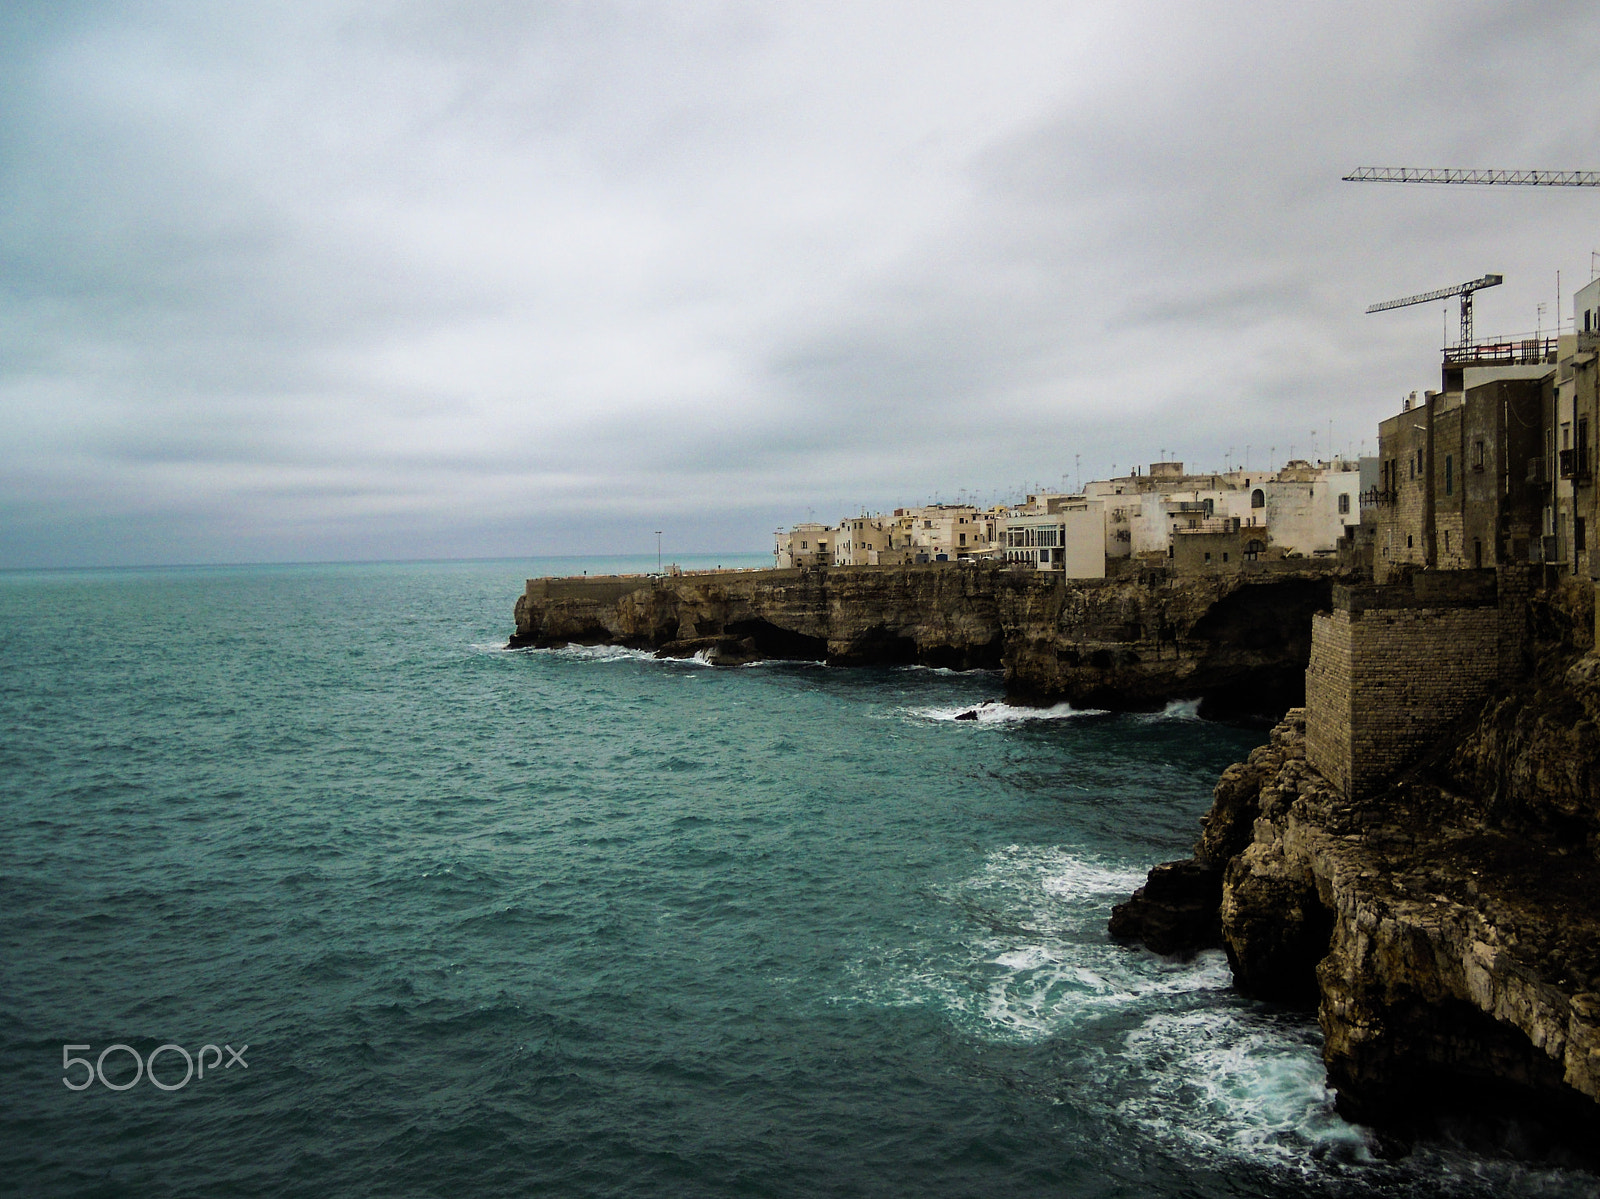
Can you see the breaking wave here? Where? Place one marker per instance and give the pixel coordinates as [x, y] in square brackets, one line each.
[992, 711]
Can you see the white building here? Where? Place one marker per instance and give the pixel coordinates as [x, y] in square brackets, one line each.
[808, 544]
[859, 540]
[1308, 507]
[1070, 539]
[943, 532]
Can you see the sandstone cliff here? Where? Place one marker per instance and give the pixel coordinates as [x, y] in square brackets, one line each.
[1239, 641]
[1446, 927]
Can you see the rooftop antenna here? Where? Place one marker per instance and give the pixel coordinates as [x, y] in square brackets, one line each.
[1464, 290]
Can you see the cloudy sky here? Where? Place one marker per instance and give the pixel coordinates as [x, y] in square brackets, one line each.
[352, 281]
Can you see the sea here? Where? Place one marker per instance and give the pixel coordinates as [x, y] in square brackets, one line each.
[309, 886]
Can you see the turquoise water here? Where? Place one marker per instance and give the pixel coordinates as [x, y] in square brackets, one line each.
[582, 923]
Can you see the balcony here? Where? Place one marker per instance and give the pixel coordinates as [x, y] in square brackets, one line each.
[1574, 463]
[1377, 497]
[1525, 350]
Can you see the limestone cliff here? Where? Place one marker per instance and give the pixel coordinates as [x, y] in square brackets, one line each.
[1238, 640]
[1447, 926]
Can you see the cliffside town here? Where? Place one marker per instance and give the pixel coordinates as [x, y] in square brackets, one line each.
[1193, 523]
[1416, 852]
[1417, 849]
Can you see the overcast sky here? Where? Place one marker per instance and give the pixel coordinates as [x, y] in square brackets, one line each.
[353, 281]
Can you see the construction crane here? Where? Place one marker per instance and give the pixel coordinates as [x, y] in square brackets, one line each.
[1450, 175]
[1464, 290]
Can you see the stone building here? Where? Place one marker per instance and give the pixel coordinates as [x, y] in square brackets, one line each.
[943, 532]
[1459, 479]
[808, 544]
[860, 539]
[1571, 423]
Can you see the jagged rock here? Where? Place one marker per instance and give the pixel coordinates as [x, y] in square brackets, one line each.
[719, 651]
[1454, 961]
[1175, 912]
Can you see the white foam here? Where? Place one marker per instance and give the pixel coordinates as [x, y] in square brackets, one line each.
[622, 653]
[600, 653]
[1029, 958]
[1017, 954]
[992, 711]
[1177, 709]
[1237, 1083]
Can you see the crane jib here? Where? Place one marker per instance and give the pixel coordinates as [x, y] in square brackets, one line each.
[1482, 178]
[1444, 293]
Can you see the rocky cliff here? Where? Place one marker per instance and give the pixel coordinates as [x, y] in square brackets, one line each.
[1239, 641]
[1447, 927]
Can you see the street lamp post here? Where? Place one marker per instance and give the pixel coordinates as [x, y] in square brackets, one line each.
[658, 551]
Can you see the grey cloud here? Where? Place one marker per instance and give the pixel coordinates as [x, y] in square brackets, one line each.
[494, 277]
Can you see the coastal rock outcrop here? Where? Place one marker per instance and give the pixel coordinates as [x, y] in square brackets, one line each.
[1454, 963]
[1446, 923]
[1238, 641]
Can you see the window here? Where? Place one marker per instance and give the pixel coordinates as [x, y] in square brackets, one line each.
[1210, 506]
[1477, 454]
[1344, 503]
[1477, 551]
[1258, 498]
[1408, 541]
[1447, 541]
[1208, 555]
[1580, 534]
[963, 539]
[1449, 474]
[1224, 555]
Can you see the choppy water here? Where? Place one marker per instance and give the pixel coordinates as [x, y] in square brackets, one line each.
[584, 923]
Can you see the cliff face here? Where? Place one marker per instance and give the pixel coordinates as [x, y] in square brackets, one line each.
[1455, 964]
[1447, 927]
[1240, 641]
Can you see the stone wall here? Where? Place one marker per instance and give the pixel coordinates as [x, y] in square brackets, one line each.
[1392, 668]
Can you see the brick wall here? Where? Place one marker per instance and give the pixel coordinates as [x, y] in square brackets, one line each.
[1392, 669]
